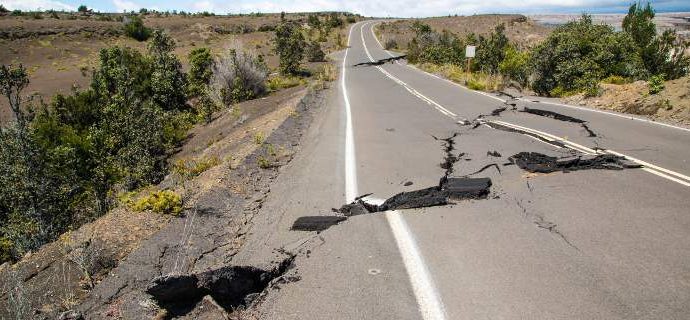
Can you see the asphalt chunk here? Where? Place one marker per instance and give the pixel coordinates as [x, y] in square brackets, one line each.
[230, 286]
[493, 154]
[553, 115]
[541, 163]
[320, 223]
[380, 62]
[467, 188]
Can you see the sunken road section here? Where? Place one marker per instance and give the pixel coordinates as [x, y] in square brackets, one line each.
[541, 163]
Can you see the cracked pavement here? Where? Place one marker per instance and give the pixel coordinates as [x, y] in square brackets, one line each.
[586, 244]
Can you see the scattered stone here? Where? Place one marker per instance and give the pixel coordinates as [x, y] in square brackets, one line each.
[493, 154]
[408, 183]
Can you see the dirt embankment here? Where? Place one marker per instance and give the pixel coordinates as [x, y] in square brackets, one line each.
[102, 269]
[671, 105]
[60, 54]
[519, 29]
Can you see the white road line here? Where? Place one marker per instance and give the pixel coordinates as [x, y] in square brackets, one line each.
[651, 168]
[428, 300]
[528, 100]
[648, 167]
[414, 92]
[350, 163]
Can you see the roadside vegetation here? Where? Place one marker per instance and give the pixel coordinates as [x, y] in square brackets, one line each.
[573, 59]
[69, 160]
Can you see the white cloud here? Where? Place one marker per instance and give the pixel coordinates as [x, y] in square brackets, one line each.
[409, 8]
[37, 4]
[124, 5]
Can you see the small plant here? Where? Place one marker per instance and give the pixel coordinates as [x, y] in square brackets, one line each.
[238, 75]
[613, 79]
[193, 168]
[136, 29]
[390, 44]
[165, 202]
[259, 138]
[282, 82]
[656, 84]
[263, 162]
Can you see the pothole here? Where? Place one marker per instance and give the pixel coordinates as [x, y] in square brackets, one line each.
[231, 287]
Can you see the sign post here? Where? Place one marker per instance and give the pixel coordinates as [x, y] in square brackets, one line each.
[469, 54]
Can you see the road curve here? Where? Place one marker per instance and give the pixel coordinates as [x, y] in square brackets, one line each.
[590, 244]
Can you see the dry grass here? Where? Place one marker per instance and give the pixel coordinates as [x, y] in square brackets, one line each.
[473, 80]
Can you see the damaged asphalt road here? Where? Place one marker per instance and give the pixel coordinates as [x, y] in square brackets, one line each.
[541, 163]
[449, 189]
[380, 62]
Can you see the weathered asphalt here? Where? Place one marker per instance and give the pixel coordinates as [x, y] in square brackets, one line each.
[594, 244]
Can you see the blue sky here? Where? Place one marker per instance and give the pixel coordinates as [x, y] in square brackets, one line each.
[382, 8]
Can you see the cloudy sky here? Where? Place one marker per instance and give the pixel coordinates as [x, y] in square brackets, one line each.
[381, 8]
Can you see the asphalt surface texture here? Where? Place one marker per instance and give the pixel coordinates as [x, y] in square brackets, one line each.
[601, 242]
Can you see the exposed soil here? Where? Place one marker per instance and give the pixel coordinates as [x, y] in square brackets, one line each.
[60, 54]
[670, 105]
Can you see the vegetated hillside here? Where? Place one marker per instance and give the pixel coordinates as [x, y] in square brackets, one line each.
[61, 52]
[672, 104]
[519, 28]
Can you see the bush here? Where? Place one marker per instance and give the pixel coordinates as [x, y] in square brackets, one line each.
[200, 70]
[165, 202]
[615, 80]
[289, 44]
[282, 82]
[333, 21]
[656, 84]
[3, 9]
[167, 77]
[135, 29]
[577, 55]
[660, 54]
[17, 13]
[314, 52]
[390, 44]
[429, 46]
[515, 65]
[238, 75]
[351, 19]
[82, 8]
[193, 168]
[491, 51]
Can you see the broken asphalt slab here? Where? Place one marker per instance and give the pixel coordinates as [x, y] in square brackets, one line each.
[230, 286]
[541, 163]
[380, 62]
[449, 189]
[560, 117]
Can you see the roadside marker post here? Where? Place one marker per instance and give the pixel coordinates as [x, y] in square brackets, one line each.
[469, 54]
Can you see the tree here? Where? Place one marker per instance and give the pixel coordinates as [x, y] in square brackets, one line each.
[200, 69]
[135, 28]
[578, 54]
[491, 50]
[289, 44]
[167, 78]
[82, 8]
[660, 54]
[13, 80]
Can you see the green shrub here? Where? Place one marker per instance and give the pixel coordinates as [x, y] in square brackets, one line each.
[515, 65]
[281, 82]
[289, 44]
[17, 13]
[136, 29]
[165, 202]
[577, 55]
[613, 79]
[492, 50]
[429, 46]
[656, 84]
[475, 84]
[200, 70]
[662, 54]
[351, 19]
[193, 168]
[82, 8]
[390, 44]
[263, 162]
[3, 9]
